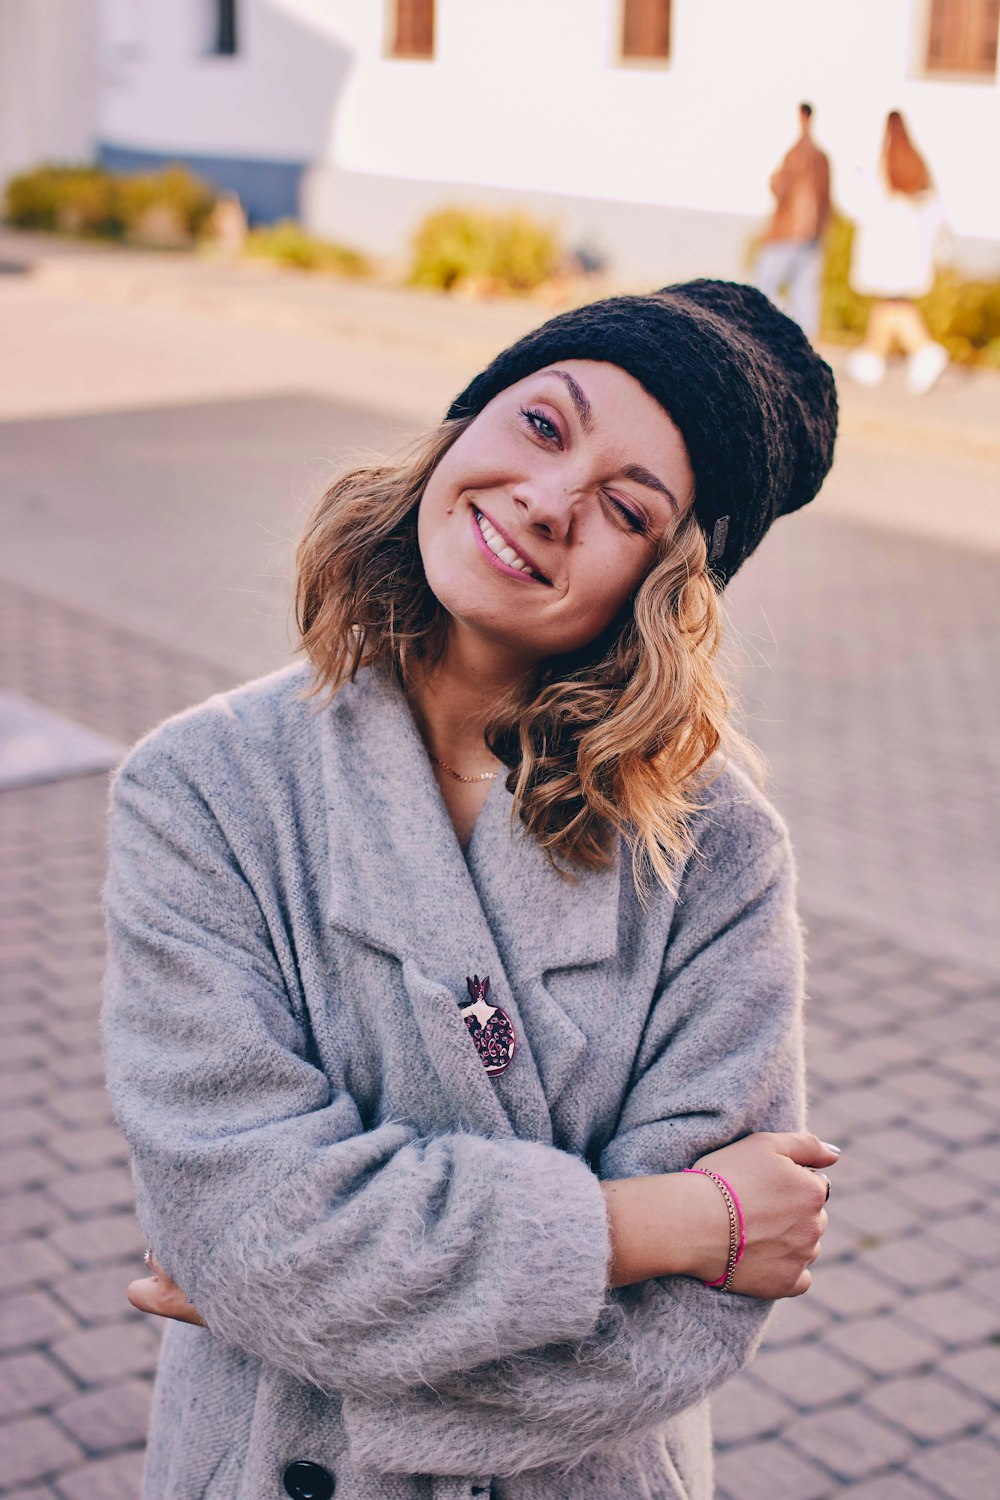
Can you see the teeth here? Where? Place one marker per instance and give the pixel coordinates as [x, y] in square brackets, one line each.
[500, 548]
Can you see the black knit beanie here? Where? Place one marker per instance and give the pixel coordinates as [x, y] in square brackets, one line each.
[754, 403]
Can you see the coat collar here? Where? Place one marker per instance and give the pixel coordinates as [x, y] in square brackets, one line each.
[400, 882]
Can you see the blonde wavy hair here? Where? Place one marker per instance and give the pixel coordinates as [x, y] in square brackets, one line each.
[619, 739]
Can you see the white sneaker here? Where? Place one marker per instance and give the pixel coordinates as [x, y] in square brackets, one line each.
[865, 368]
[925, 368]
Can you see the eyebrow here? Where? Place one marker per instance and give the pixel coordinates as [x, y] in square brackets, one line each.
[638, 473]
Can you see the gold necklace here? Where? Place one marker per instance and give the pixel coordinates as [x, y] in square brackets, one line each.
[483, 776]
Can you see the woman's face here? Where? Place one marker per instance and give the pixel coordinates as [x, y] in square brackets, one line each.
[543, 518]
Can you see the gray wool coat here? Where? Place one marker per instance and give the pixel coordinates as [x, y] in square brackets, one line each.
[402, 1262]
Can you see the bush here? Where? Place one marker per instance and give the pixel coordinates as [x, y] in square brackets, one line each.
[963, 315]
[493, 252]
[75, 200]
[288, 243]
[166, 207]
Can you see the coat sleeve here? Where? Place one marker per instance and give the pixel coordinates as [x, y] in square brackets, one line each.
[722, 1057]
[357, 1258]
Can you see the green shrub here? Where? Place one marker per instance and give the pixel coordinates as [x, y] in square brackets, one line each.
[496, 252]
[962, 314]
[169, 206]
[291, 245]
[73, 199]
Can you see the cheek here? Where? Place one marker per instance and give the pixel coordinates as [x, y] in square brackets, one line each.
[608, 576]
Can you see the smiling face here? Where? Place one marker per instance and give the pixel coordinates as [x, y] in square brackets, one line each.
[545, 515]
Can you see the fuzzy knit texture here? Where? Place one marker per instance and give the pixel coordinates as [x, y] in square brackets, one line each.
[754, 403]
[402, 1262]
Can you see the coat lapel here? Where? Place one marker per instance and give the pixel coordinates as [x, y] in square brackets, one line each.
[400, 882]
[542, 921]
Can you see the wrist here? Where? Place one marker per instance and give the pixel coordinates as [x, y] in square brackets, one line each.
[671, 1224]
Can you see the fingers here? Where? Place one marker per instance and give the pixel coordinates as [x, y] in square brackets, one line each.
[158, 1295]
[805, 1148]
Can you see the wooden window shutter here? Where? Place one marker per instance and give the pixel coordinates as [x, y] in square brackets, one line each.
[646, 28]
[414, 35]
[962, 36]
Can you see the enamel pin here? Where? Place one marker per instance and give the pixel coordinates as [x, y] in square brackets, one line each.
[489, 1027]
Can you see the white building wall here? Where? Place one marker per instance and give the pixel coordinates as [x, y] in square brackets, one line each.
[528, 99]
[49, 82]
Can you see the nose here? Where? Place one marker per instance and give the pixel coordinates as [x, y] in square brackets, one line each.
[547, 505]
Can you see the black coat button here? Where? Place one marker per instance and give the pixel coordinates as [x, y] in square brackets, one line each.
[307, 1481]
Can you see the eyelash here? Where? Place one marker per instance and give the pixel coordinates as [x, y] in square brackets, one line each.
[535, 420]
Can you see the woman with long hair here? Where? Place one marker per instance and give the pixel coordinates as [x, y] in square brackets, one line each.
[454, 988]
[899, 224]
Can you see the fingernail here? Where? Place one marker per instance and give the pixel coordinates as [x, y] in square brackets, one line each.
[834, 1149]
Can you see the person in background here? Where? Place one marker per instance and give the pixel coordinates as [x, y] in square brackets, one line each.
[899, 224]
[790, 259]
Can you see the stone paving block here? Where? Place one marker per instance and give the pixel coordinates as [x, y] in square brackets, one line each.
[973, 1236]
[795, 1319]
[25, 1122]
[930, 1408]
[71, 1069]
[27, 1166]
[23, 1047]
[765, 1470]
[978, 1370]
[953, 1316]
[98, 1295]
[34, 1492]
[94, 1192]
[899, 1149]
[24, 1086]
[115, 1417]
[115, 1478]
[850, 1292]
[848, 1441]
[809, 1375]
[978, 1161]
[961, 1124]
[24, 1263]
[878, 1212]
[892, 1487]
[916, 1264]
[107, 1237]
[937, 1192]
[110, 1353]
[31, 1318]
[26, 1213]
[93, 1147]
[975, 1064]
[745, 1409]
[31, 1382]
[963, 1470]
[33, 1448]
[883, 1345]
[82, 1107]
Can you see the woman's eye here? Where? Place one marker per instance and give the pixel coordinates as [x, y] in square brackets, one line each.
[540, 423]
[632, 518]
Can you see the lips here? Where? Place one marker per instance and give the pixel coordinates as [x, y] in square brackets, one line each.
[503, 549]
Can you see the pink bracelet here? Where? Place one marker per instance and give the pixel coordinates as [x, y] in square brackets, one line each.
[737, 1228]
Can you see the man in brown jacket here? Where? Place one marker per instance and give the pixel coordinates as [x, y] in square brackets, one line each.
[790, 259]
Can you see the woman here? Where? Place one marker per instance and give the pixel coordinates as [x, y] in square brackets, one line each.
[423, 1000]
[899, 226]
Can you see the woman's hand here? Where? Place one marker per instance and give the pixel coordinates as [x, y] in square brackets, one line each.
[782, 1193]
[676, 1224]
[158, 1294]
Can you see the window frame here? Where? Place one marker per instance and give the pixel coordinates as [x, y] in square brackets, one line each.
[393, 50]
[953, 66]
[655, 60]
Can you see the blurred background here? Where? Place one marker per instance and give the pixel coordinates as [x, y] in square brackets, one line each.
[246, 241]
